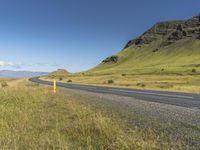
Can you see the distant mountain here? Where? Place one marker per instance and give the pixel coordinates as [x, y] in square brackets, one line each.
[20, 74]
[59, 73]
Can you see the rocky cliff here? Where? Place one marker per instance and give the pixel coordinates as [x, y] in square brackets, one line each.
[169, 32]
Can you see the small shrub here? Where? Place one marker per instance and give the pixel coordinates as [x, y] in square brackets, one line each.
[52, 76]
[166, 86]
[162, 69]
[194, 71]
[197, 65]
[123, 74]
[4, 84]
[60, 78]
[110, 81]
[155, 50]
[69, 81]
[140, 84]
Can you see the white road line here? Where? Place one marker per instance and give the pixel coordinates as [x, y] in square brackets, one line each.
[149, 93]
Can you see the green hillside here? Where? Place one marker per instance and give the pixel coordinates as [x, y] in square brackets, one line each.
[170, 47]
[179, 58]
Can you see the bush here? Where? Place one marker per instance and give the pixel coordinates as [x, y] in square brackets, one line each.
[155, 50]
[162, 69]
[141, 84]
[194, 71]
[166, 86]
[123, 74]
[60, 78]
[4, 84]
[110, 81]
[52, 76]
[69, 81]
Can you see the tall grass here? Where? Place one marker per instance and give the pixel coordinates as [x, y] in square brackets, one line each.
[32, 117]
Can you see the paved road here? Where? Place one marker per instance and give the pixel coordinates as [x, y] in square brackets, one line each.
[173, 98]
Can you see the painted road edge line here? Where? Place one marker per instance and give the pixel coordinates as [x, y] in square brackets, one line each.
[156, 94]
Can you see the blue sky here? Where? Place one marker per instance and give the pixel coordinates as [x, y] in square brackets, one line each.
[43, 35]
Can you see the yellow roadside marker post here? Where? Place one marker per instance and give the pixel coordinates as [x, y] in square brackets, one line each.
[54, 86]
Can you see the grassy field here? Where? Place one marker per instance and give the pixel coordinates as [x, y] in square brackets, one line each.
[174, 68]
[186, 83]
[32, 117]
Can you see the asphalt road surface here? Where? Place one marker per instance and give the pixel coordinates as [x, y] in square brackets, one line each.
[173, 98]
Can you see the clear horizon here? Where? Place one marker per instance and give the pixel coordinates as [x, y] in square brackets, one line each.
[77, 35]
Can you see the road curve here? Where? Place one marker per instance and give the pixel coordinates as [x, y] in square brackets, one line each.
[173, 98]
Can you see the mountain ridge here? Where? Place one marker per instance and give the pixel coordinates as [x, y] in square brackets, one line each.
[170, 31]
[20, 74]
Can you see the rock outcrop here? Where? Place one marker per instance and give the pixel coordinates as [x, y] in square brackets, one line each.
[169, 32]
[111, 60]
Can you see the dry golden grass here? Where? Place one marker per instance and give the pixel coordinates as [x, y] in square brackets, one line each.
[32, 117]
[181, 83]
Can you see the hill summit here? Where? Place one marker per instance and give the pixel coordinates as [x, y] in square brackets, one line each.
[59, 73]
[170, 32]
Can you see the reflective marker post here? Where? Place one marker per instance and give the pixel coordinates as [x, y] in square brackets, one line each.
[54, 86]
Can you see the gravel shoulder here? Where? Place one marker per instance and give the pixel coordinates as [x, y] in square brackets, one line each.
[152, 110]
[169, 120]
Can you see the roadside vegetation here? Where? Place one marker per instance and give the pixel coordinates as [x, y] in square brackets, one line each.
[168, 82]
[32, 117]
